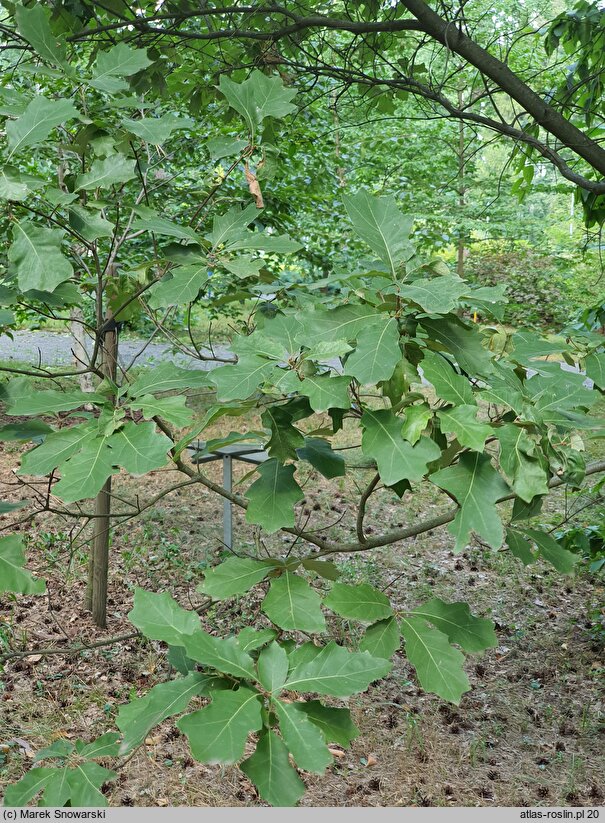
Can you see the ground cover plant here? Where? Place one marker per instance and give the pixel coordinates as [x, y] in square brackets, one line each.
[374, 372]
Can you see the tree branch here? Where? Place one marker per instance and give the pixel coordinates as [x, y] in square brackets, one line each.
[454, 39]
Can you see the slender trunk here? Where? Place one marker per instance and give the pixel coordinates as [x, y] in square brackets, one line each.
[461, 191]
[79, 348]
[342, 182]
[100, 555]
[98, 566]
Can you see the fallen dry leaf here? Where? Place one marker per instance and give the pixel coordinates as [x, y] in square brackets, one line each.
[59, 734]
[336, 753]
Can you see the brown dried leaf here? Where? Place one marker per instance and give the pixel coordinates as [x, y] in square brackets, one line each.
[254, 187]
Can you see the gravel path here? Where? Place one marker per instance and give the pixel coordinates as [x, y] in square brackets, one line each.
[54, 349]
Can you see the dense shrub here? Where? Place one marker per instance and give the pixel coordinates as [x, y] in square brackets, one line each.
[537, 287]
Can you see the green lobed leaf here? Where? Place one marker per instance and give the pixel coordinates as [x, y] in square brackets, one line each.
[462, 341]
[232, 226]
[57, 447]
[250, 639]
[220, 147]
[233, 576]
[342, 323]
[139, 448]
[438, 295]
[15, 185]
[183, 286]
[462, 421]
[381, 639]
[104, 746]
[240, 380]
[528, 346]
[13, 577]
[303, 738]
[37, 121]
[272, 666]
[29, 402]
[520, 547]
[151, 221]
[156, 130]
[555, 390]
[20, 793]
[473, 634]
[106, 173]
[85, 782]
[221, 653]
[270, 770]
[172, 409]
[396, 458]
[24, 431]
[179, 661]
[415, 421]
[34, 25]
[382, 226]
[595, 369]
[324, 568]
[438, 665]
[79, 786]
[59, 750]
[324, 392]
[120, 61]
[273, 496]
[89, 225]
[292, 604]
[477, 486]
[258, 97]
[285, 438]
[136, 719]
[338, 672]
[35, 257]
[303, 654]
[159, 617]
[522, 462]
[488, 300]
[448, 384]
[525, 511]
[167, 377]
[218, 732]
[83, 475]
[564, 561]
[361, 602]
[7, 318]
[335, 724]
[243, 266]
[376, 353]
[318, 452]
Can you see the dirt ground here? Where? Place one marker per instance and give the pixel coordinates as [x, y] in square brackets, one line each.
[530, 732]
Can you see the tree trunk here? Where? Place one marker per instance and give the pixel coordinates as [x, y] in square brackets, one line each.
[79, 349]
[98, 565]
[342, 182]
[461, 191]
